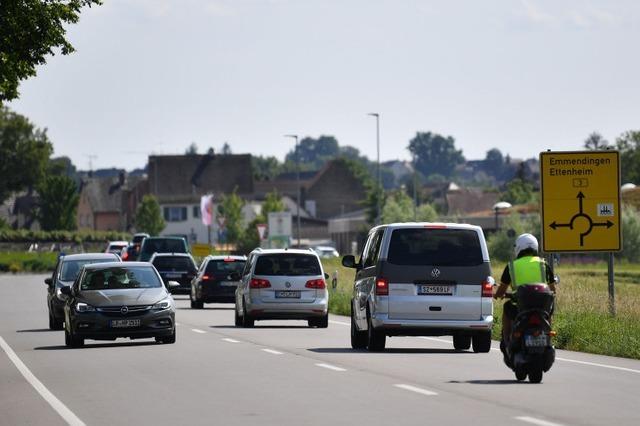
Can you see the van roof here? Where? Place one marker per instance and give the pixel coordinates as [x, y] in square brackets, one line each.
[443, 225]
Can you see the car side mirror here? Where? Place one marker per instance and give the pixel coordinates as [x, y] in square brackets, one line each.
[326, 276]
[234, 276]
[48, 281]
[349, 261]
[66, 290]
[173, 284]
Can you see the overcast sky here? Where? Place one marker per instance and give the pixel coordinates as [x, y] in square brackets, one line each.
[152, 76]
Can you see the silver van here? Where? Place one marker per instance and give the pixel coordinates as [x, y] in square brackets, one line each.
[422, 279]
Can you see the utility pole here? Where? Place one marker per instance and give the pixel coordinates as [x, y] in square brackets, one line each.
[378, 184]
[297, 184]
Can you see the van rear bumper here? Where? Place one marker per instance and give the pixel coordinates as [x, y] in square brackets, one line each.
[405, 327]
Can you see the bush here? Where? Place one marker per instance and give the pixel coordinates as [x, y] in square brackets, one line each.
[501, 243]
[630, 234]
[28, 236]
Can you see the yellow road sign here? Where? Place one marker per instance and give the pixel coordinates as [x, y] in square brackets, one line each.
[580, 201]
[201, 250]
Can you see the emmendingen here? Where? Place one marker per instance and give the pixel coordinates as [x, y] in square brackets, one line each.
[586, 161]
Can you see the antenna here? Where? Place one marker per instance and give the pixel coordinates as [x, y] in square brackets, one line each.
[91, 157]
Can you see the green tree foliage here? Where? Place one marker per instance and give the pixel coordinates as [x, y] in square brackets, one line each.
[61, 166]
[595, 142]
[58, 203]
[226, 149]
[518, 191]
[629, 146]
[399, 208]
[149, 217]
[314, 152]
[191, 149]
[435, 154]
[231, 208]
[265, 168]
[500, 244]
[24, 153]
[273, 203]
[630, 234]
[29, 31]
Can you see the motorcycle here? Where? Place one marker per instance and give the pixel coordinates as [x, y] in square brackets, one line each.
[529, 351]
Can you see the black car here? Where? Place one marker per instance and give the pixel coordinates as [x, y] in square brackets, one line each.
[217, 280]
[179, 267]
[153, 245]
[66, 271]
[111, 300]
[132, 251]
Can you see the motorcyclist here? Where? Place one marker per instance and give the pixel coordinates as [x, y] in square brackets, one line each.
[527, 268]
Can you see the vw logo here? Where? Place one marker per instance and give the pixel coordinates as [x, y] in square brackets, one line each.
[435, 272]
[124, 310]
[287, 284]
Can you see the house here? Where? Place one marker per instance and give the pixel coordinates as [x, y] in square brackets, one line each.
[19, 210]
[179, 181]
[463, 201]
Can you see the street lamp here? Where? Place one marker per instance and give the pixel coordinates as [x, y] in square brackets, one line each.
[378, 195]
[501, 205]
[298, 184]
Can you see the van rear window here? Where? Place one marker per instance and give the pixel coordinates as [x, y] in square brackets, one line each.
[441, 247]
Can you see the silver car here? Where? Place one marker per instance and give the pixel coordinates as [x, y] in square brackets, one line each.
[282, 284]
[422, 279]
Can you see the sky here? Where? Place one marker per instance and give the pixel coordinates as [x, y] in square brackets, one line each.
[154, 76]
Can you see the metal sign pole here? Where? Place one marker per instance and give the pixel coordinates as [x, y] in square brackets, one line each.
[612, 290]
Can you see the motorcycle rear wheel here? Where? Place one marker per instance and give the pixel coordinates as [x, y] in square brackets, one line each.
[535, 375]
[521, 374]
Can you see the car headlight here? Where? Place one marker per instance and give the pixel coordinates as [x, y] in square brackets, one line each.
[83, 307]
[163, 304]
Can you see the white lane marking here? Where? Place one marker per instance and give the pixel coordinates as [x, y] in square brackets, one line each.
[196, 330]
[226, 339]
[54, 402]
[595, 364]
[416, 389]
[339, 322]
[331, 367]
[535, 421]
[272, 351]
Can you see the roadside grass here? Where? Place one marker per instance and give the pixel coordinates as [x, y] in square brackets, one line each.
[15, 262]
[581, 319]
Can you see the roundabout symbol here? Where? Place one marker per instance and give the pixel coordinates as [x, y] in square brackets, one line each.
[591, 224]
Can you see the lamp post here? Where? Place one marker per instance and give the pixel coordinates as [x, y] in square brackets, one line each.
[497, 207]
[297, 184]
[378, 195]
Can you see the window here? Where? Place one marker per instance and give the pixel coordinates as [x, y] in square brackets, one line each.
[196, 212]
[175, 214]
[442, 247]
[222, 268]
[374, 249]
[287, 264]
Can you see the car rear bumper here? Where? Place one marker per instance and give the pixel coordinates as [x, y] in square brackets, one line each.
[316, 309]
[214, 292]
[405, 327]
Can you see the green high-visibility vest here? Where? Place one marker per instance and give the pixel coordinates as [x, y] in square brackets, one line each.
[527, 270]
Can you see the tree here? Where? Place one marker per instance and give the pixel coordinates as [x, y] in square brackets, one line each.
[226, 149]
[628, 144]
[399, 208]
[24, 153]
[191, 149]
[29, 31]
[61, 166]
[314, 152]
[149, 217]
[495, 163]
[435, 154]
[595, 142]
[265, 168]
[630, 234]
[231, 208]
[518, 191]
[273, 203]
[58, 203]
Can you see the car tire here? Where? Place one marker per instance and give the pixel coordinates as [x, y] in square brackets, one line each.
[167, 339]
[481, 342]
[54, 324]
[237, 318]
[323, 322]
[358, 338]
[461, 342]
[247, 320]
[375, 339]
[72, 341]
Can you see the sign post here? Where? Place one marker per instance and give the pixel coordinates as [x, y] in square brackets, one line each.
[581, 204]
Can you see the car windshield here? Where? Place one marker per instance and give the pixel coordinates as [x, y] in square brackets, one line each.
[120, 278]
[70, 268]
[173, 263]
[223, 267]
[287, 264]
[164, 246]
[442, 247]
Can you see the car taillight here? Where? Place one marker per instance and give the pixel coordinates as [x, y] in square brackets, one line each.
[382, 287]
[487, 287]
[229, 259]
[534, 319]
[206, 277]
[259, 283]
[125, 255]
[317, 284]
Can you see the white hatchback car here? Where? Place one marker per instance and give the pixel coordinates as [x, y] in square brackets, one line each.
[282, 284]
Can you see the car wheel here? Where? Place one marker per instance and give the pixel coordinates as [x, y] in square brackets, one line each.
[54, 324]
[323, 322]
[481, 342]
[67, 338]
[247, 320]
[461, 342]
[72, 341]
[167, 339]
[238, 318]
[358, 338]
[375, 339]
[198, 304]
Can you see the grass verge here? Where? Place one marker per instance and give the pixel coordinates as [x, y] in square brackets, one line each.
[15, 262]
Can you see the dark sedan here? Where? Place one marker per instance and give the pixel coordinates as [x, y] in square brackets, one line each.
[111, 300]
[217, 280]
[66, 271]
[179, 267]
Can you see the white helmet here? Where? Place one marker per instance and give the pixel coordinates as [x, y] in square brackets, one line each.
[525, 241]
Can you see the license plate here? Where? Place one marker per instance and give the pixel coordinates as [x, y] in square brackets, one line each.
[288, 294]
[125, 323]
[228, 283]
[436, 290]
[535, 341]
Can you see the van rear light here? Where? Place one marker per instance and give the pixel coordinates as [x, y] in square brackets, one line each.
[317, 284]
[259, 283]
[487, 287]
[438, 226]
[382, 287]
[229, 259]
[206, 277]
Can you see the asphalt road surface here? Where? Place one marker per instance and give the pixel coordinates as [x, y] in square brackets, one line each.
[283, 373]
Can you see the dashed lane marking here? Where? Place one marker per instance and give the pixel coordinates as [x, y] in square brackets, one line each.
[196, 330]
[272, 351]
[535, 421]
[226, 339]
[54, 402]
[416, 389]
[330, 367]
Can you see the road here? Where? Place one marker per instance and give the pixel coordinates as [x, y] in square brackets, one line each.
[283, 373]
